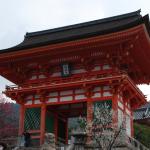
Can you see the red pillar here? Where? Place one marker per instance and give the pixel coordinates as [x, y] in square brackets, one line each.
[89, 111]
[89, 94]
[89, 119]
[21, 119]
[115, 109]
[56, 126]
[131, 124]
[42, 127]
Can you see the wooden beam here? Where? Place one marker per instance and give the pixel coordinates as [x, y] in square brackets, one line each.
[115, 109]
[21, 119]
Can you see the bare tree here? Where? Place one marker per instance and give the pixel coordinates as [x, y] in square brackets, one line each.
[9, 114]
[104, 132]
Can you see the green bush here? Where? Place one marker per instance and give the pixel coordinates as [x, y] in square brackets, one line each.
[142, 134]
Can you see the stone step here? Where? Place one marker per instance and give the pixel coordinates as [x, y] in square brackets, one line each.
[28, 148]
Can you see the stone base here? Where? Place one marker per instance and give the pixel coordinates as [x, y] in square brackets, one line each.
[91, 147]
[47, 147]
[27, 148]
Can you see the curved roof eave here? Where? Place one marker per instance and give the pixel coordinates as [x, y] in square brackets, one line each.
[80, 31]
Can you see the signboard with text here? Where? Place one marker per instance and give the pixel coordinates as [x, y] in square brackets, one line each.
[65, 70]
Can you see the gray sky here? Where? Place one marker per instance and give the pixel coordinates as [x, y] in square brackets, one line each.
[21, 16]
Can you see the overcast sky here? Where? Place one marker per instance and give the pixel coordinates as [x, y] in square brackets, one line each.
[21, 16]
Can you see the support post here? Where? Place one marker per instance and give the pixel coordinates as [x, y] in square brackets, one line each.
[66, 131]
[56, 127]
[42, 127]
[89, 111]
[89, 119]
[131, 124]
[89, 94]
[115, 109]
[21, 119]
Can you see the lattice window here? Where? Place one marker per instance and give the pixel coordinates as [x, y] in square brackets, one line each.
[102, 103]
[32, 118]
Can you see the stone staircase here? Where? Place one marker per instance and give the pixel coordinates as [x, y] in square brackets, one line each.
[78, 143]
[136, 145]
[28, 148]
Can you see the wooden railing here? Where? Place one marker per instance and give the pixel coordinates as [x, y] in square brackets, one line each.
[129, 143]
[65, 81]
[35, 134]
[75, 78]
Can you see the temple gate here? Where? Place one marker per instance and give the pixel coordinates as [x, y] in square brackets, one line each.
[63, 72]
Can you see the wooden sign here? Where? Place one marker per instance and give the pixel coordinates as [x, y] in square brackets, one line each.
[65, 70]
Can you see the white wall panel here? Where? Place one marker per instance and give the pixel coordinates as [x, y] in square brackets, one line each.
[120, 105]
[107, 94]
[78, 91]
[56, 74]
[52, 100]
[53, 94]
[37, 102]
[96, 95]
[78, 71]
[28, 103]
[96, 68]
[80, 97]
[97, 89]
[69, 92]
[66, 98]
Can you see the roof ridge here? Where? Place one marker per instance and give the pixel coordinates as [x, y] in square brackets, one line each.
[84, 24]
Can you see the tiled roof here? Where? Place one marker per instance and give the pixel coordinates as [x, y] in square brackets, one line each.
[143, 112]
[82, 30]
